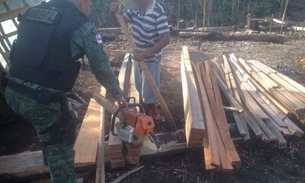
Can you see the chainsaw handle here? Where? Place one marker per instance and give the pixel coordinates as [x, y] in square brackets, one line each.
[119, 110]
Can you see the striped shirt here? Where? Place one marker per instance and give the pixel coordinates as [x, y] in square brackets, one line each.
[147, 29]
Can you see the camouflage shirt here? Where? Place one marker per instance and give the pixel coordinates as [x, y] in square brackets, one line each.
[86, 40]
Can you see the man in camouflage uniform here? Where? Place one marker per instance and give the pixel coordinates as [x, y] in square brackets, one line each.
[43, 66]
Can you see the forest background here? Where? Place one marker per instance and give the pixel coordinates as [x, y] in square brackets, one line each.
[211, 13]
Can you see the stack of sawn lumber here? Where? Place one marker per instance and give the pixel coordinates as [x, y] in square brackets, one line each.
[205, 119]
[266, 96]
[120, 152]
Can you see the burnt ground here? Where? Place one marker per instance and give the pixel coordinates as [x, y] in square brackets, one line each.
[261, 163]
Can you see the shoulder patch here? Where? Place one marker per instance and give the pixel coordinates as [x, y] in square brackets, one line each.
[42, 15]
[99, 39]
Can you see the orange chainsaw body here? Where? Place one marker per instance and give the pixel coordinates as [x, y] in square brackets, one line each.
[142, 123]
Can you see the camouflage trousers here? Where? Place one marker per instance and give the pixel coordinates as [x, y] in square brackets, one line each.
[60, 155]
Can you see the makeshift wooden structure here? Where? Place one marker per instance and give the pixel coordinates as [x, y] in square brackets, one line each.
[5, 41]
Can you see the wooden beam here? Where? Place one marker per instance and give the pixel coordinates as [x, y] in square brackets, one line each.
[220, 116]
[13, 14]
[210, 138]
[147, 74]
[8, 35]
[231, 84]
[194, 122]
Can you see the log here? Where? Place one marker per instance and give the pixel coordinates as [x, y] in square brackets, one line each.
[218, 36]
[299, 29]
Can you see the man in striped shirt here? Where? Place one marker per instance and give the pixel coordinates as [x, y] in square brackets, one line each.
[150, 32]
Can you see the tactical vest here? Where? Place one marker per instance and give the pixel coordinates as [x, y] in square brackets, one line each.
[42, 53]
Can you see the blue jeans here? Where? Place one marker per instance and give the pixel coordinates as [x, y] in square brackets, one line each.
[143, 86]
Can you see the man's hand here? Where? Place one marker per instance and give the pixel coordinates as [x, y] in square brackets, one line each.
[141, 55]
[122, 101]
[114, 7]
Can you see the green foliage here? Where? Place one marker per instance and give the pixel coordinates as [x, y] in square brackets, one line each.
[219, 12]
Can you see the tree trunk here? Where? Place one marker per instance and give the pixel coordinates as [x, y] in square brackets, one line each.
[284, 13]
[218, 36]
[204, 13]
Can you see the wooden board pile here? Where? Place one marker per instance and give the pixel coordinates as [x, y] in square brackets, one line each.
[205, 116]
[118, 151]
[266, 96]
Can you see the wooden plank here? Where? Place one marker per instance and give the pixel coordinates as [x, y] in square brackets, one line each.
[224, 157]
[266, 108]
[290, 102]
[125, 74]
[276, 132]
[100, 161]
[147, 74]
[133, 90]
[300, 95]
[13, 14]
[26, 166]
[295, 130]
[290, 81]
[244, 123]
[212, 156]
[233, 90]
[220, 116]
[246, 114]
[7, 41]
[193, 116]
[87, 139]
[251, 104]
[8, 35]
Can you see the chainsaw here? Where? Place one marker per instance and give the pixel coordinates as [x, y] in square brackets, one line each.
[132, 127]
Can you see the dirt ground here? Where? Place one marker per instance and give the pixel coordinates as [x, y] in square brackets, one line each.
[261, 163]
